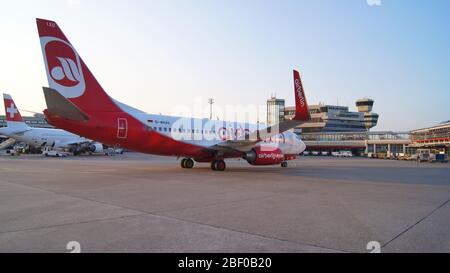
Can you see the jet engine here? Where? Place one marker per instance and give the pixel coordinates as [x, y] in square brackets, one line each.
[96, 148]
[264, 156]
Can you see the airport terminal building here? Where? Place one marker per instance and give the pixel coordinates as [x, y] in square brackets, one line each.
[436, 137]
[334, 118]
[38, 120]
[335, 128]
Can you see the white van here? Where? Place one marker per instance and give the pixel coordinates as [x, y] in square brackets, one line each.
[342, 154]
[346, 154]
[336, 154]
[48, 151]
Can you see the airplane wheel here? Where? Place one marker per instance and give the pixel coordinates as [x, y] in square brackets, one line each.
[284, 164]
[213, 165]
[220, 165]
[189, 163]
[183, 163]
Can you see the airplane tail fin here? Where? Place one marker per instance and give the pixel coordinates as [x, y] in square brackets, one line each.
[301, 116]
[13, 117]
[68, 74]
[301, 106]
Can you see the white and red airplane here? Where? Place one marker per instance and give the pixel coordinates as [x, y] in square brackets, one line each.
[77, 103]
[42, 137]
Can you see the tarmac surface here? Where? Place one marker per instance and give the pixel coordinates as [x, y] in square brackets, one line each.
[143, 203]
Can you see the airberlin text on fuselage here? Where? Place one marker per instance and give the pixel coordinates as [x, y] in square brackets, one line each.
[270, 156]
[231, 133]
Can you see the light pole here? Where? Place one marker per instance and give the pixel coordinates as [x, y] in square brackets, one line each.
[211, 102]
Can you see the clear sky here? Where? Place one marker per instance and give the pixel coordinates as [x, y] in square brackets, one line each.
[157, 54]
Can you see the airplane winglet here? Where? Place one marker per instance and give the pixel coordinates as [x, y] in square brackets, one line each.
[301, 106]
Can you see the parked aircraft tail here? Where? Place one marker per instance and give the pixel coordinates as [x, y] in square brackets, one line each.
[68, 74]
[301, 106]
[13, 117]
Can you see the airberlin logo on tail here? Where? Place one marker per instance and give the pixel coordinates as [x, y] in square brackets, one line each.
[299, 90]
[68, 70]
[63, 66]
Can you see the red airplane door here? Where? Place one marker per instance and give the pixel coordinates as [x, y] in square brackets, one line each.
[122, 128]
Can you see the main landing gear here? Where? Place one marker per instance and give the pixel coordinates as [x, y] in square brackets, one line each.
[284, 164]
[218, 165]
[187, 163]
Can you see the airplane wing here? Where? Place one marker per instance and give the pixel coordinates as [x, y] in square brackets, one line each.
[75, 143]
[13, 131]
[248, 141]
[234, 145]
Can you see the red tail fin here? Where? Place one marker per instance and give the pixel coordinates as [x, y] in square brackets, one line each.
[68, 74]
[301, 106]
[12, 113]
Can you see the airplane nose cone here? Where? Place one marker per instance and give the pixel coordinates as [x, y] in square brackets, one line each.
[303, 146]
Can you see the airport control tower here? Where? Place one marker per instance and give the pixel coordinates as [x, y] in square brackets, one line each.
[365, 105]
[275, 111]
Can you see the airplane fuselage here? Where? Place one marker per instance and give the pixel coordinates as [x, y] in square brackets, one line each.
[172, 136]
[43, 137]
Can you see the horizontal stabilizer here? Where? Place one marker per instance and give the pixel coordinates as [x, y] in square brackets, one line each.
[58, 105]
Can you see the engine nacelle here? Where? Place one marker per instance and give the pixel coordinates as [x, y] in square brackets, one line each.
[96, 148]
[258, 156]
